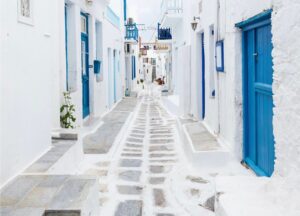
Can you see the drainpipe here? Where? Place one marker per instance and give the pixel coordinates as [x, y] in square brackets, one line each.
[125, 11]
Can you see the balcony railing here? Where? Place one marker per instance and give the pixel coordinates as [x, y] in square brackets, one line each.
[163, 33]
[132, 32]
[171, 6]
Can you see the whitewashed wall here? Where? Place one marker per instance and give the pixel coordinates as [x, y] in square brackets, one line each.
[28, 59]
[224, 111]
[228, 100]
[286, 88]
[111, 37]
[113, 40]
[33, 75]
[181, 64]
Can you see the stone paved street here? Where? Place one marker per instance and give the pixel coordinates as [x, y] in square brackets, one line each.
[142, 176]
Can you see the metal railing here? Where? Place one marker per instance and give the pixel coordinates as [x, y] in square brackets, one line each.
[171, 6]
[132, 32]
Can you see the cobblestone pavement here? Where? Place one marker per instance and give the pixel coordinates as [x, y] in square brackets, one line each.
[141, 178]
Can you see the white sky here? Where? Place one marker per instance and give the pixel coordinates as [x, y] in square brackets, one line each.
[145, 12]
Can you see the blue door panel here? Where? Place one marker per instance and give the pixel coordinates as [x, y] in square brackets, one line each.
[251, 148]
[259, 139]
[265, 156]
[264, 70]
[263, 88]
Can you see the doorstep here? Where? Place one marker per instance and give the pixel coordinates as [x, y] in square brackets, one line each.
[201, 147]
[64, 134]
[259, 196]
[171, 103]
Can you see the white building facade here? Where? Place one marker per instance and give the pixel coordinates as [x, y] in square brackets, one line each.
[231, 73]
[95, 29]
[48, 48]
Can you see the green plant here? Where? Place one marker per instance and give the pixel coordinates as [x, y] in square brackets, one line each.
[67, 110]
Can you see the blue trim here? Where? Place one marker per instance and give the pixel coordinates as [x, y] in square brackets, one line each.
[132, 78]
[263, 17]
[97, 66]
[203, 75]
[163, 33]
[259, 172]
[125, 11]
[115, 74]
[112, 17]
[85, 89]
[66, 47]
[221, 44]
[132, 32]
[245, 96]
[133, 67]
[86, 15]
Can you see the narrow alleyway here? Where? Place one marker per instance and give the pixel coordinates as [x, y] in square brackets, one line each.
[148, 174]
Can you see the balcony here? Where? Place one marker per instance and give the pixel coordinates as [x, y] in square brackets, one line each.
[171, 12]
[132, 33]
[163, 33]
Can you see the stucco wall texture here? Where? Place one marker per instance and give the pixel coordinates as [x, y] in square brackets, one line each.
[224, 114]
[286, 86]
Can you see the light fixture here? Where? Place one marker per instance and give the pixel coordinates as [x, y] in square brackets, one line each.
[194, 24]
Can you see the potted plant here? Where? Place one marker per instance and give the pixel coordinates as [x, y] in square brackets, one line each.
[67, 112]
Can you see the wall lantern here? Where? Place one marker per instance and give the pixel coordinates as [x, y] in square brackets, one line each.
[220, 56]
[194, 24]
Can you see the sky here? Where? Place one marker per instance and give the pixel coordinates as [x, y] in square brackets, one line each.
[145, 12]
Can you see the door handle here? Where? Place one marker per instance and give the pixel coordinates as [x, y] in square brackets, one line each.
[255, 54]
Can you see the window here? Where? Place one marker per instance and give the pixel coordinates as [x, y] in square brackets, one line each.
[83, 24]
[25, 12]
[220, 56]
[25, 8]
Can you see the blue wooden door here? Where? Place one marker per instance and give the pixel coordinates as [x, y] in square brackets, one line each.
[258, 74]
[203, 75]
[85, 65]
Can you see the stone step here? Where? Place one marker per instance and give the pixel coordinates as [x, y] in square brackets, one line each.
[59, 159]
[45, 162]
[62, 213]
[49, 195]
[202, 148]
